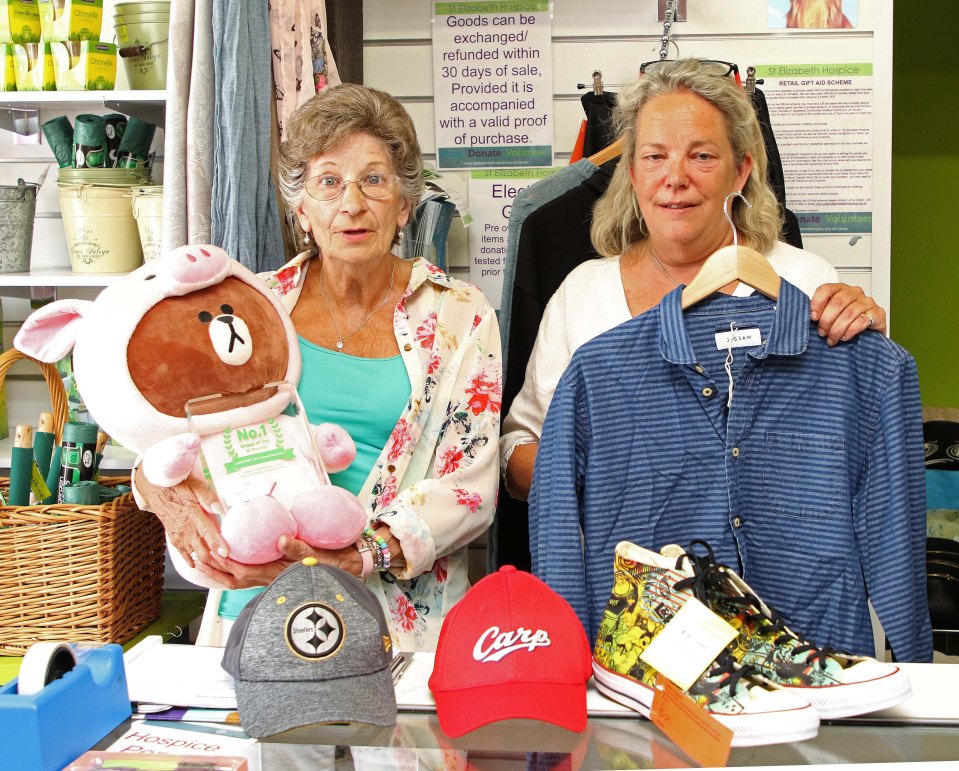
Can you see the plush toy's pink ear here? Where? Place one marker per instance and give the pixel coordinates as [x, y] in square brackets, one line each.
[49, 333]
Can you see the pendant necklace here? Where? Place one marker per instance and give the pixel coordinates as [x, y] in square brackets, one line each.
[660, 265]
[341, 339]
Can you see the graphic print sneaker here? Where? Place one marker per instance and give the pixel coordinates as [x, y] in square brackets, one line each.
[836, 684]
[643, 600]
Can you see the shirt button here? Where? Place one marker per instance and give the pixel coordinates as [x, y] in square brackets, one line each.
[407, 347]
[699, 369]
[737, 522]
[707, 391]
[391, 468]
[735, 452]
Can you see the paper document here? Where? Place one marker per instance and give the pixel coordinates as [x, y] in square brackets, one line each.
[178, 675]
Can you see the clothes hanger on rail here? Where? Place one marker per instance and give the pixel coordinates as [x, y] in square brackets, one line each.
[732, 263]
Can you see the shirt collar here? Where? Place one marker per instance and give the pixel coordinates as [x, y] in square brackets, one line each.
[789, 335]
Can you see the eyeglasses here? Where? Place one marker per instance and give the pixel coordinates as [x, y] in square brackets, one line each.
[729, 67]
[329, 187]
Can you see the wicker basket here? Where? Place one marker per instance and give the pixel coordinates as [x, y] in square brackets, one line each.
[76, 573]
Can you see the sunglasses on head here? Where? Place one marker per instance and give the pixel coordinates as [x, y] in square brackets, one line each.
[727, 68]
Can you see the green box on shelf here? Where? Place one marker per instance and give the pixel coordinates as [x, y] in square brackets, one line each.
[33, 65]
[84, 65]
[19, 21]
[7, 68]
[71, 19]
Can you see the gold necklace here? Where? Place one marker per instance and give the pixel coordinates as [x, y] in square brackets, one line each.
[660, 265]
[341, 339]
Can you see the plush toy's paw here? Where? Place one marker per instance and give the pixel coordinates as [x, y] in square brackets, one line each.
[171, 460]
[252, 529]
[328, 517]
[335, 445]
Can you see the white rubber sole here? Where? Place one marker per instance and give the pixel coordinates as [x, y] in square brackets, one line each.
[848, 700]
[796, 722]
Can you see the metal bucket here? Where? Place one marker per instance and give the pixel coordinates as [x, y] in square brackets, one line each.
[102, 235]
[18, 204]
[148, 212]
[146, 70]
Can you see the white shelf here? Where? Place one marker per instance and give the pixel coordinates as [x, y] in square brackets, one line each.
[28, 99]
[146, 105]
[58, 277]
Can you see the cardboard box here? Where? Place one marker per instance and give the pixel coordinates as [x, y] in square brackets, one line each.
[19, 21]
[84, 65]
[33, 67]
[6, 67]
[70, 19]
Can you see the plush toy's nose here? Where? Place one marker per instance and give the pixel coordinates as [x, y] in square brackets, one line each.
[196, 264]
[231, 339]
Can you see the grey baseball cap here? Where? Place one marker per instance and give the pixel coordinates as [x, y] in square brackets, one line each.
[313, 648]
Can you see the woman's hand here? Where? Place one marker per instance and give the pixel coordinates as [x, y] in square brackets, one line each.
[235, 575]
[190, 513]
[843, 311]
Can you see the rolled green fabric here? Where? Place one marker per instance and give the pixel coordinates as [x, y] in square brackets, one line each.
[107, 493]
[135, 144]
[90, 142]
[115, 126]
[84, 493]
[59, 134]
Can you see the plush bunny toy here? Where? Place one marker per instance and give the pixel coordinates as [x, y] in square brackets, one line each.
[189, 324]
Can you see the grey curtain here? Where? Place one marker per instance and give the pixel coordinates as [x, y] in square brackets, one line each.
[188, 135]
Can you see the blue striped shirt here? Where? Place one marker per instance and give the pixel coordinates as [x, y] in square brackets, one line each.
[810, 484]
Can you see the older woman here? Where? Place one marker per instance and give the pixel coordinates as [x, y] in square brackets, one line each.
[404, 357]
[690, 139]
[797, 461]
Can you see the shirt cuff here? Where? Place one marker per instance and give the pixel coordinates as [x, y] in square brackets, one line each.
[414, 536]
[508, 445]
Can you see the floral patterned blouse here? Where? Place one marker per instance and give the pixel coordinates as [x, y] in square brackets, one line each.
[435, 482]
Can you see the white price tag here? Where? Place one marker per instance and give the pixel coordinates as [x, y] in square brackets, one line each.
[738, 339]
[688, 644]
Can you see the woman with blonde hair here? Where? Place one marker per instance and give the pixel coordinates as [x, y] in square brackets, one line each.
[691, 138]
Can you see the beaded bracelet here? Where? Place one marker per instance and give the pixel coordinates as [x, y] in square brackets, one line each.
[374, 550]
[381, 546]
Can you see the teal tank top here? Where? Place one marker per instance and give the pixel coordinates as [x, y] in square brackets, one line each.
[364, 396]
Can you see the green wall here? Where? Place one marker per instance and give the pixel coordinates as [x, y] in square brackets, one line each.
[925, 194]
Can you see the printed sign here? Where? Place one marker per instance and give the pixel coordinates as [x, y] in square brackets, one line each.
[491, 202]
[492, 84]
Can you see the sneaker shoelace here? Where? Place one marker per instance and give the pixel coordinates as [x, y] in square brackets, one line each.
[710, 579]
[729, 672]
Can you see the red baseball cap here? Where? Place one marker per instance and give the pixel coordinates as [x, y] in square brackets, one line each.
[511, 648]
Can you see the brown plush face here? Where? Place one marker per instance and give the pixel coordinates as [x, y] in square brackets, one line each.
[172, 358]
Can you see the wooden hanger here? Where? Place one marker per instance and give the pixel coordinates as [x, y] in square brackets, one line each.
[607, 153]
[732, 263]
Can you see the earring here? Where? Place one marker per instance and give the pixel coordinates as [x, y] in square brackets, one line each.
[306, 237]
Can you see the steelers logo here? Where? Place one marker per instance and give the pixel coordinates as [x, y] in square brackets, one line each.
[314, 631]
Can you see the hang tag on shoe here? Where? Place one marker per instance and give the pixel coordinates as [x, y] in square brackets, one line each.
[692, 729]
[689, 643]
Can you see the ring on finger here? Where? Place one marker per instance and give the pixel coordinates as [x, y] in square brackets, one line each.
[194, 556]
[870, 321]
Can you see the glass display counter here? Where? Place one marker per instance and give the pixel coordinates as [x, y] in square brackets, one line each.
[416, 742]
